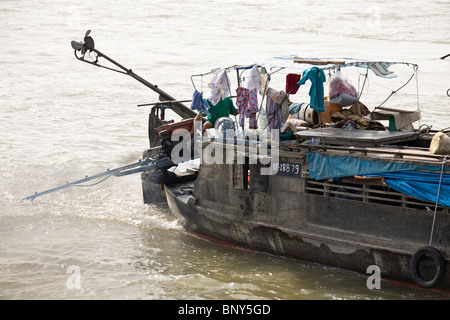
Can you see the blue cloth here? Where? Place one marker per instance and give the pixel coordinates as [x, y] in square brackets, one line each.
[421, 185]
[322, 168]
[295, 107]
[381, 69]
[199, 104]
[316, 93]
[398, 176]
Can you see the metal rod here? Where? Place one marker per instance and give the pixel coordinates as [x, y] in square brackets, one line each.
[163, 102]
[179, 108]
[168, 102]
[121, 171]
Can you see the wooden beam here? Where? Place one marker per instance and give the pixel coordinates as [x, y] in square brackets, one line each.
[319, 62]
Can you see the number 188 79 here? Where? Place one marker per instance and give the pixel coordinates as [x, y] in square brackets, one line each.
[287, 169]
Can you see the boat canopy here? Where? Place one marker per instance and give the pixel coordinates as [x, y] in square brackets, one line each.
[341, 91]
[380, 68]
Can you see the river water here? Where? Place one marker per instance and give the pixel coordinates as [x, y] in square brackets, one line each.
[62, 120]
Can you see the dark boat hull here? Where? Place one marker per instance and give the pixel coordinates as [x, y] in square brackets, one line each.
[292, 242]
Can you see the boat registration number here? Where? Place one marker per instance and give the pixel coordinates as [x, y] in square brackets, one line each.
[287, 169]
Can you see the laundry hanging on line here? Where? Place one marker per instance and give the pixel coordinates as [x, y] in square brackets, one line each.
[199, 104]
[219, 86]
[316, 93]
[292, 85]
[222, 109]
[277, 108]
[247, 99]
[247, 105]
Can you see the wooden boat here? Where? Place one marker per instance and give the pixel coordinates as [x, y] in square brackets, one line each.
[336, 188]
[331, 200]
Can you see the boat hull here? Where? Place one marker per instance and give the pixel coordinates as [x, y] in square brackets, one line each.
[291, 242]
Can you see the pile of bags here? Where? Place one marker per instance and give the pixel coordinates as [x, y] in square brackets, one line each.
[342, 92]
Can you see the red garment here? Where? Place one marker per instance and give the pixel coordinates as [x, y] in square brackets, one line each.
[291, 83]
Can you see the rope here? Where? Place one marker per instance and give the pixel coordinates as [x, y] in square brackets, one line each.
[417, 92]
[364, 83]
[395, 91]
[426, 130]
[437, 198]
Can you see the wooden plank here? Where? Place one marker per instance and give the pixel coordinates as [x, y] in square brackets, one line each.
[319, 62]
[357, 137]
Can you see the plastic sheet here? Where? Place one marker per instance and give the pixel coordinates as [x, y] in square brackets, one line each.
[342, 92]
[322, 168]
[421, 185]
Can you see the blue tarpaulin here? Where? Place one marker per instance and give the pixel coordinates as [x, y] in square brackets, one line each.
[322, 168]
[421, 185]
[398, 176]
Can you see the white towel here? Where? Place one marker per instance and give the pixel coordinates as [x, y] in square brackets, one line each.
[254, 80]
[381, 69]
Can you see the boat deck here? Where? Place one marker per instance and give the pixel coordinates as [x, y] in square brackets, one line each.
[387, 153]
[359, 138]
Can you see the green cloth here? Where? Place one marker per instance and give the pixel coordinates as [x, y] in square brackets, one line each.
[317, 78]
[223, 108]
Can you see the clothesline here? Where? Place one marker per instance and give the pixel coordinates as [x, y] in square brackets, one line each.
[168, 102]
[288, 62]
[285, 62]
[259, 78]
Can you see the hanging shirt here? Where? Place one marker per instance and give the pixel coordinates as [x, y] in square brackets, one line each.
[199, 104]
[223, 82]
[241, 98]
[247, 103]
[253, 85]
[281, 98]
[265, 79]
[277, 108]
[292, 80]
[220, 87]
[223, 108]
[317, 78]
[254, 79]
[241, 104]
[274, 115]
[215, 94]
[252, 108]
